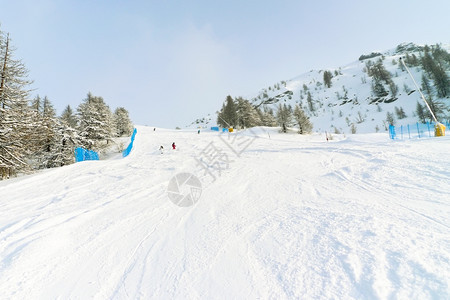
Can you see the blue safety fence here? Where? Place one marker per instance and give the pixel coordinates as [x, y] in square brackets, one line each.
[215, 128]
[413, 131]
[127, 151]
[82, 154]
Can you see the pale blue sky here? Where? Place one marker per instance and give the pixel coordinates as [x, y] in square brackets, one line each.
[169, 62]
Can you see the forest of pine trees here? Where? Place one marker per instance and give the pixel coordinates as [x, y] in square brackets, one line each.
[32, 136]
[240, 113]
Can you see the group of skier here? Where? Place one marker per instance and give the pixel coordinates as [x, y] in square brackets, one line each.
[174, 147]
[161, 149]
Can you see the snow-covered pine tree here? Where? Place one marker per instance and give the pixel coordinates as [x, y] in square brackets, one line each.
[305, 126]
[221, 116]
[122, 122]
[393, 88]
[68, 117]
[378, 88]
[284, 117]
[378, 72]
[268, 119]
[227, 116]
[15, 116]
[420, 112]
[400, 112]
[36, 105]
[47, 136]
[96, 125]
[439, 109]
[426, 86]
[246, 114]
[327, 76]
[48, 111]
[436, 67]
[65, 140]
[310, 101]
[390, 118]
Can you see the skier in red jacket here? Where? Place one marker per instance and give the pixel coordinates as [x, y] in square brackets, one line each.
[173, 146]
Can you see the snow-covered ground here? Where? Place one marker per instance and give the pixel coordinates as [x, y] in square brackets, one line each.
[291, 217]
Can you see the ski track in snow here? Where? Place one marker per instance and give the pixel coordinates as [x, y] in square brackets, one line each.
[293, 217]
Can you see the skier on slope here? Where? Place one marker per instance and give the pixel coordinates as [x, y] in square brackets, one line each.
[161, 149]
[173, 146]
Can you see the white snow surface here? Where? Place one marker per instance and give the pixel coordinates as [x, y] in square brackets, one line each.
[292, 217]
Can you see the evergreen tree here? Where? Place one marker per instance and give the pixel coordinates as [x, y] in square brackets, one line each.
[310, 102]
[439, 54]
[438, 108]
[390, 118]
[360, 118]
[220, 117]
[228, 115]
[43, 141]
[247, 116]
[393, 88]
[65, 140]
[436, 70]
[426, 87]
[327, 76]
[123, 124]
[15, 116]
[400, 112]
[304, 124]
[378, 89]
[378, 72]
[260, 115]
[441, 82]
[421, 112]
[96, 124]
[427, 62]
[44, 136]
[68, 117]
[411, 60]
[284, 117]
[47, 137]
[36, 104]
[268, 118]
[48, 110]
[414, 61]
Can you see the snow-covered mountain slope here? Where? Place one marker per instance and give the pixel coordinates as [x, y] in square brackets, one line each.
[290, 217]
[350, 102]
[350, 99]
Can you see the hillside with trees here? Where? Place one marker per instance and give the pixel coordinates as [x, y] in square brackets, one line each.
[240, 113]
[362, 97]
[33, 136]
[370, 93]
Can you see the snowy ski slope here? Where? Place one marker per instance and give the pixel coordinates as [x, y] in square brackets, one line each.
[292, 217]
